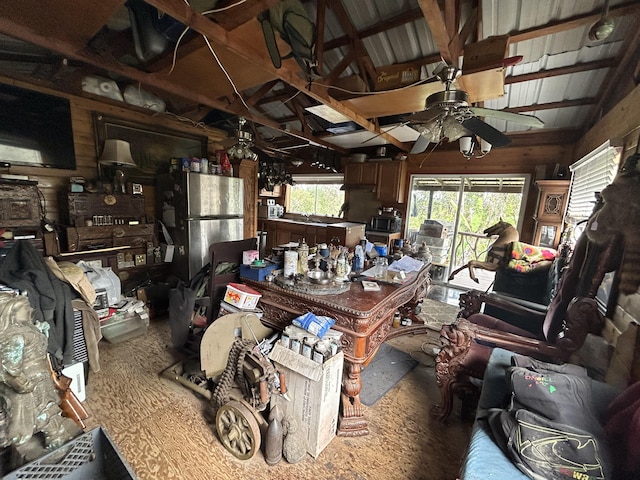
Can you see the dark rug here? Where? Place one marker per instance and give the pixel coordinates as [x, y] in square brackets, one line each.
[385, 370]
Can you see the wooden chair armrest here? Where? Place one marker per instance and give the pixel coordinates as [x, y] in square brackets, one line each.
[509, 341]
[471, 302]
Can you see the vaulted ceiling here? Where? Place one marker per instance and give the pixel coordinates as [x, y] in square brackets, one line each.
[356, 98]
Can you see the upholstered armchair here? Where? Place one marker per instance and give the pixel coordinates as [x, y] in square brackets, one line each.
[571, 315]
[533, 289]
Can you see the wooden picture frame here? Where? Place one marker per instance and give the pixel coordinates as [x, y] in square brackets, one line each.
[152, 147]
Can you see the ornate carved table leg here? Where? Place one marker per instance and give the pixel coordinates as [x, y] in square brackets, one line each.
[351, 422]
[449, 368]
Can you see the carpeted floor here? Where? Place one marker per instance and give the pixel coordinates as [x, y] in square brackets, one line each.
[165, 431]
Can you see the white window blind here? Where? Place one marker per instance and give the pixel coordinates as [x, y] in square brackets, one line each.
[591, 174]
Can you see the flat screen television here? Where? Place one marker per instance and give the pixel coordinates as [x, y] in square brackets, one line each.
[35, 129]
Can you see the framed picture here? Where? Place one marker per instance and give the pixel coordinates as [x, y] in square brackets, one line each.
[152, 148]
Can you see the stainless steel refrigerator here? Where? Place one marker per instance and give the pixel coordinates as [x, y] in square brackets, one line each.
[199, 210]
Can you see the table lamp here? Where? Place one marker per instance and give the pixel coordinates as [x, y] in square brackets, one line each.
[117, 153]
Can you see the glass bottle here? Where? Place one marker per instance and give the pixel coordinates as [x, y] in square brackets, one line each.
[303, 257]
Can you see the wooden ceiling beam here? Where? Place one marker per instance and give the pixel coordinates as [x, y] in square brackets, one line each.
[629, 49]
[245, 49]
[554, 72]
[361, 53]
[260, 93]
[629, 8]
[578, 102]
[321, 10]
[230, 17]
[159, 82]
[394, 22]
[442, 37]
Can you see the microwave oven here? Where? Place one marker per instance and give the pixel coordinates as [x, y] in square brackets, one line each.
[270, 211]
[384, 223]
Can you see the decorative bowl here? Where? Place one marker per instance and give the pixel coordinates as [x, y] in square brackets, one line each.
[320, 277]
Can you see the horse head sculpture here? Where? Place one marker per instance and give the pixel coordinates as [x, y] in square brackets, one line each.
[498, 251]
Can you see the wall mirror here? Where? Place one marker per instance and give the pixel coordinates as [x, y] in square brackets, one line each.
[152, 147]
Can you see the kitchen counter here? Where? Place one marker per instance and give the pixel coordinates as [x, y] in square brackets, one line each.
[280, 231]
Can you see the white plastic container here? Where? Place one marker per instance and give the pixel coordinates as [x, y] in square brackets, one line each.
[242, 296]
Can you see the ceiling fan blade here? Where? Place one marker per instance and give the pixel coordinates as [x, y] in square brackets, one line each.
[485, 131]
[529, 120]
[421, 144]
[424, 116]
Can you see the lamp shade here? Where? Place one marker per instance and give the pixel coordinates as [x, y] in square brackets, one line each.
[466, 146]
[116, 152]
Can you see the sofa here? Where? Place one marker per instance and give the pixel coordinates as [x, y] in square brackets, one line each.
[484, 459]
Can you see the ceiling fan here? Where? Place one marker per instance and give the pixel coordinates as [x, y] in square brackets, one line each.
[448, 115]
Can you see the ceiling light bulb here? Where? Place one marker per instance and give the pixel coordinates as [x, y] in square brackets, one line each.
[485, 147]
[466, 146]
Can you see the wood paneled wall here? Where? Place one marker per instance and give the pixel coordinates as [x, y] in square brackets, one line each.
[51, 181]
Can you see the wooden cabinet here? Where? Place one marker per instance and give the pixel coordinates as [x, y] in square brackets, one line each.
[247, 170]
[348, 234]
[391, 184]
[277, 191]
[552, 204]
[280, 232]
[360, 174]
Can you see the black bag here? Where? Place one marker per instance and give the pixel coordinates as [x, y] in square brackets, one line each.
[550, 429]
[182, 301]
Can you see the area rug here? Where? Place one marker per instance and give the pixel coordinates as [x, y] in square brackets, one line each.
[385, 370]
[435, 314]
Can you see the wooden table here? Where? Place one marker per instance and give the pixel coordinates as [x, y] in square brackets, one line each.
[365, 320]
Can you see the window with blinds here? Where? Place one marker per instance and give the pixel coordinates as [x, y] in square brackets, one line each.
[591, 174]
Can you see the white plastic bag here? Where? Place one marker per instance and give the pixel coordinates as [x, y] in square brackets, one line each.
[103, 277]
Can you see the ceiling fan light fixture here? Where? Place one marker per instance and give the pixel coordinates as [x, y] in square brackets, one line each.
[430, 131]
[485, 147]
[296, 162]
[466, 146]
[452, 129]
[603, 27]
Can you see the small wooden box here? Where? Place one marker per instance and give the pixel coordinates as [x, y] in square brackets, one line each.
[120, 206]
[87, 238]
[19, 205]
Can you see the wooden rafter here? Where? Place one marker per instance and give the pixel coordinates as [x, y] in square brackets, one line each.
[442, 37]
[578, 102]
[321, 10]
[629, 8]
[397, 21]
[629, 49]
[554, 72]
[364, 67]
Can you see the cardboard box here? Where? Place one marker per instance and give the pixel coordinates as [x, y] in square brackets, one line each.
[314, 390]
[485, 54]
[248, 256]
[433, 228]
